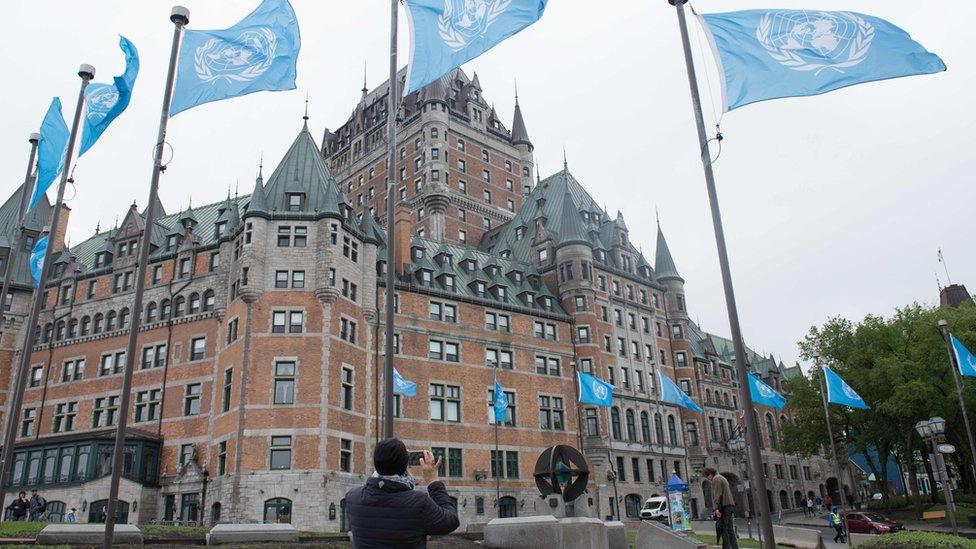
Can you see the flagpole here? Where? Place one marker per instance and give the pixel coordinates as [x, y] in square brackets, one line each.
[19, 228]
[180, 16]
[15, 244]
[86, 72]
[944, 329]
[833, 449]
[498, 470]
[613, 469]
[390, 243]
[752, 431]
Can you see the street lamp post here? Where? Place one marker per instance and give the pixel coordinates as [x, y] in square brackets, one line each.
[737, 446]
[932, 431]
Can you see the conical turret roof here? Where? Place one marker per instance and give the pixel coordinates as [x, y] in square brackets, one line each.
[663, 262]
[303, 171]
[519, 134]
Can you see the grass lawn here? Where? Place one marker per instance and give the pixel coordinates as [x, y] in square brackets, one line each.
[907, 515]
[159, 531]
[20, 529]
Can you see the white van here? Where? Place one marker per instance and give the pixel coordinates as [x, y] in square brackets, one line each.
[655, 508]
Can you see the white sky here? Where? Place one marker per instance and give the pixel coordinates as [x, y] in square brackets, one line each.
[832, 205]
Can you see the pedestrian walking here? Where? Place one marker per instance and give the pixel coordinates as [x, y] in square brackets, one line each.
[828, 502]
[18, 507]
[837, 523]
[724, 505]
[37, 506]
[819, 503]
[809, 506]
[70, 517]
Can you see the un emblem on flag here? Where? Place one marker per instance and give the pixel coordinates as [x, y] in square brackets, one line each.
[599, 390]
[244, 58]
[100, 101]
[851, 393]
[465, 20]
[815, 41]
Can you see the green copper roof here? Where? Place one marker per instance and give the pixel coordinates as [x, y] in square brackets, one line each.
[302, 171]
[36, 220]
[663, 262]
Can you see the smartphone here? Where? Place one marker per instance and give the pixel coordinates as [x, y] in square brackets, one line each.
[414, 458]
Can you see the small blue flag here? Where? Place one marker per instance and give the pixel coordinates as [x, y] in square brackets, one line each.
[673, 394]
[839, 392]
[593, 390]
[105, 102]
[403, 387]
[499, 401]
[965, 359]
[763, 394]
[445, 34]
[257, 54]
[37, 259]
[50, 151]
[769, 54]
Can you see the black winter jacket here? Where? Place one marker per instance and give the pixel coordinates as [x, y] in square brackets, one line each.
[386, 513]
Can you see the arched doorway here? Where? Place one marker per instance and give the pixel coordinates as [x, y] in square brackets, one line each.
[96, 511]
[811, 495]
[277, 510]
[798, 499]
[737, 490]
[55, 511]
[507, 507]
[343, 522]
[784, 500]
[215, 513]
[632, 505]
[769, 499]
[833, 490]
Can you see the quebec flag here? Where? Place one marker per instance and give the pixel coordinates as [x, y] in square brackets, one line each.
[257, 54]
[105, 102]
[769, 54]
[673, 394]
[401, 386]
[965, 359]
[37, 259]
[50, 150]
[764, 395]
[593, 390]
[445, 34]
[839, 392]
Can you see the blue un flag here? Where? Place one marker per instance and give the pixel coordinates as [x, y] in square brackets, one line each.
[257, 54]
[673, 394]
[499, 401]
[105, 102]
[445, 34]
[764, 395]
[593, 390]
[769, 54]
[964, 358]
[401, 386]
[37, 259]
[50, 151]
[839, 392]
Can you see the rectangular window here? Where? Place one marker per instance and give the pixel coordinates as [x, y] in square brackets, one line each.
[147, 405]
[551, 414]
[281, 279]
[197, 347]
[64, 417]
[105, 411]
[592, 423]
[635, 467]
[345, 455]
[191, 400]
[222, 458]
[284, 382]
[27, 422]
[73, 370]
[214, 261]
[298, 279]
[347, 330]
[347, 388]
[228, 384]
[280, 458]
[445, 402]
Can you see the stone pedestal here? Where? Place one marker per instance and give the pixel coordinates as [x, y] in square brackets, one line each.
[252, 533]
[584, 533]
[523, 532]
[617, 535]
[87, 534]
[653, 535]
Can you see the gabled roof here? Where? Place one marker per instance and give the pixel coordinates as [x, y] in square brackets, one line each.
[663, 262]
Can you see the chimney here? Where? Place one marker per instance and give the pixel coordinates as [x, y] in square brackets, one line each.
[402, 228]
[58, 233]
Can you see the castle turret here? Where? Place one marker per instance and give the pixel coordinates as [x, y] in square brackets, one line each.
[667, 274]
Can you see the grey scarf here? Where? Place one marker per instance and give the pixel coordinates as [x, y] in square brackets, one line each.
[406, 480]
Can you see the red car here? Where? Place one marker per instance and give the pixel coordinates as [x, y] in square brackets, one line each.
[870, 523]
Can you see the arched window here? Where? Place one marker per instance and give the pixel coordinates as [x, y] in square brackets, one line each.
[725, 397]
[85, 325]
[632, 505]
[708, 396]
[507, 507]
[59, 333]
[165, 308]
[97, 325]
[151, 310]
[631, 426]
[771, 427]
[672, 431]
[215, 513]
[277, 510]
[194, 303]
[73, 328]
[659, 428]
[645, 428]
[179, 306]
[208, 300]
[55, 511]
[124, 318]
[48, 332]
[110, 321]
[615, 422]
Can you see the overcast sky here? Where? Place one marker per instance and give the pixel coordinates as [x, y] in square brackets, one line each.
[833, 205]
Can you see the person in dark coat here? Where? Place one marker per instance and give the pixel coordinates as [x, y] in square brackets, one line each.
[388, 512]
[18, 507]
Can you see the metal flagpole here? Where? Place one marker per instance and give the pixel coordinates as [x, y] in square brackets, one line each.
[15, 243]
[501, 462]
[613, 469]
[830, 436]
[944, 328]
[180, 16]
[390, 243]
[19, 228]
[752, 430]
[86, 72]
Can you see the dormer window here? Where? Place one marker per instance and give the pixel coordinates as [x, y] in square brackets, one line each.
[500, 293]
[505, 254]
[519, 233]
[543, 254]
[220, 229]
[516, 277]
[529, 299]
[470, 265]
[546, 303]
[539, 203]
[448, 282]
[172, 242]
[491, 270]
[479, 288]
[418, 254]
[446, 260]
[425, 277]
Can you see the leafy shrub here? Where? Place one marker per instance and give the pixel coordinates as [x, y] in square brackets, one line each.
[919, 540]
[897, 502]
